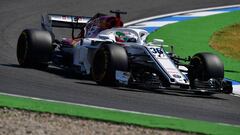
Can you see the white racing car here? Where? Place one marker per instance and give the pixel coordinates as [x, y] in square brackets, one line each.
[114, 55]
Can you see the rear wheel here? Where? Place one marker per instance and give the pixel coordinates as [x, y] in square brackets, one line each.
[34, 48]
[108, 59]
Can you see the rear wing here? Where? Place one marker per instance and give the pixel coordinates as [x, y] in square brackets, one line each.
[63, 21]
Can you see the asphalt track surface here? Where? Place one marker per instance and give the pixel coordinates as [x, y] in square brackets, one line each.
[56, 84]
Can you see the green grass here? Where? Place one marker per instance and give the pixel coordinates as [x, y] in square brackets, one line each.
[119, 117]
[190, 37]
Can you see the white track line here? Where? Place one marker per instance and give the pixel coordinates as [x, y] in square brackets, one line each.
[178, 13]
[85, 105]
[152, 24]
[202, 14]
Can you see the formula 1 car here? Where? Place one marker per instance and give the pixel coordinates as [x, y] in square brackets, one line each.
[114, 55]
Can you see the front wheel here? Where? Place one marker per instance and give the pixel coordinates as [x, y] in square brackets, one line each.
[108, 59]
[204, 66]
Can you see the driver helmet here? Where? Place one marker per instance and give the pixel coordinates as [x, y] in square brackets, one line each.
[125, 37]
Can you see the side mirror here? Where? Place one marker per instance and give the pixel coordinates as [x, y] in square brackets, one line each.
[107, 37]
[158, 42]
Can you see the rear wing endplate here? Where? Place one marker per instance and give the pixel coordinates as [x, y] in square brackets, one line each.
[63, 21]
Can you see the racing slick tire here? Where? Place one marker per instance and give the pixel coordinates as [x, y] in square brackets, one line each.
[204, 66]
[108, 59]
[34, 48]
